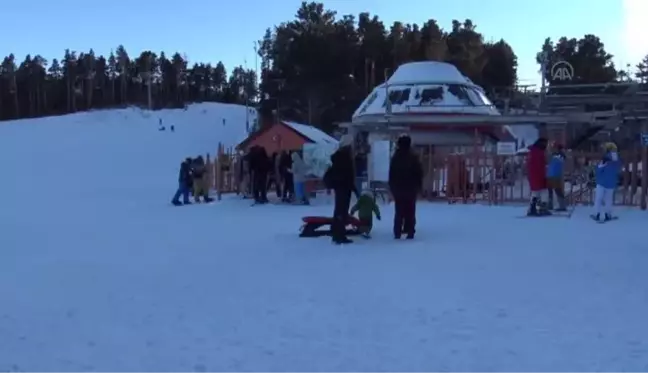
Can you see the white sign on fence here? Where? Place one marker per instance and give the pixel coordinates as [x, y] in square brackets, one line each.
[380, 156]
[506, 148]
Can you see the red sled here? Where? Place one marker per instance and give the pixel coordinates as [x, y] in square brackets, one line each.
[312, 225]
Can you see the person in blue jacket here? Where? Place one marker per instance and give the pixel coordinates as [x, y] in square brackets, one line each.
[607, 178]
[555, 177]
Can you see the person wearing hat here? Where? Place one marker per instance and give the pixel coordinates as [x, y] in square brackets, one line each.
[340, 177]
[555, 178]
[366, 207]
[184, 184]
[607, 178]
[200, 181]
[405, 182]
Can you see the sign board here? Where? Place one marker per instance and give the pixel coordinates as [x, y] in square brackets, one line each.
[506, 148]
[644, 139]
[562, 70]
[380, 157]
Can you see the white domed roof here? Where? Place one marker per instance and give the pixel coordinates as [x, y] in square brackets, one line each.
[428, 71]
[427, 88]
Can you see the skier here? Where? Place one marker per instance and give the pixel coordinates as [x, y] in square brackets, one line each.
[405, 182]
[184, 177]
[200, 181]
[298, 172]
[340, 177]
[366, 207]
[555, 178]
[537, 174]
[607, 177]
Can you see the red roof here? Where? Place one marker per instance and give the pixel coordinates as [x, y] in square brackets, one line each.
[256, 134]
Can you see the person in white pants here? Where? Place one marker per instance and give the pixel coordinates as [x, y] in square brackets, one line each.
[607, 177]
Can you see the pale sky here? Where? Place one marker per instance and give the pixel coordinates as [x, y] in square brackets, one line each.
[635, 30]
[209, 31]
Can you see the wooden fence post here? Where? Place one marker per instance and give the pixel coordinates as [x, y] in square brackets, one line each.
[644, 161]
[475, 160]
[210, 173]
[626, 181]
[634, 182]
[217, 163]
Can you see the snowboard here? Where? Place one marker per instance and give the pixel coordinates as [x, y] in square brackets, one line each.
[593, 217]
[563, 214]
[195, 203]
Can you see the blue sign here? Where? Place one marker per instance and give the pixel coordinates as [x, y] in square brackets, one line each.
[644, 139]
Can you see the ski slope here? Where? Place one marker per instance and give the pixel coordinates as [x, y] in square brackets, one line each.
[99, 273]
[121, 151]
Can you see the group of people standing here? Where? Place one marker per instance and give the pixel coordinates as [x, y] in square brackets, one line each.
[405, 182]
[288, 173]
[547, 174]
[192, 179]
[285, 170]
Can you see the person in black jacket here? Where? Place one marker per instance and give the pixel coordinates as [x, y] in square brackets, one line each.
[405, 182]
[260, 165]
[340, 177]
[285, 164]
[184, 181]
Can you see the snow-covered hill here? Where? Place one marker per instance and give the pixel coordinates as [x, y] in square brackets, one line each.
[125, 143]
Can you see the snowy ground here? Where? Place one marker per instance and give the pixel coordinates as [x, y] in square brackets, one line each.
[98, 272]
[139, 285]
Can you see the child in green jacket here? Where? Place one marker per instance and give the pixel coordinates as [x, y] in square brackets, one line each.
[366, 207]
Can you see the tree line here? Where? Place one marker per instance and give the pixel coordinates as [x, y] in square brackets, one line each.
[315, 68]
[84, 81]
[319, 66]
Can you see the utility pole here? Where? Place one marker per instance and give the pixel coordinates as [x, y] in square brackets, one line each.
[543, 72]
[256, 61]
[246, 97]
[256, 74]
[388, 106]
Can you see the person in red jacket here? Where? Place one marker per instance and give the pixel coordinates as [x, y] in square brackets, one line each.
[537, 174]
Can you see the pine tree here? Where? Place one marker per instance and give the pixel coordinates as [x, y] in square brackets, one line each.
[112, 76]
[123, 67]
[642, 70]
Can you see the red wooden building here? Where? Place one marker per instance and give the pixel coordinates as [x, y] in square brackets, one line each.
[286, 135]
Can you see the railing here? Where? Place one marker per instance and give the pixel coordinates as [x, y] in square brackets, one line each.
[477, 177]
[493, 179]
